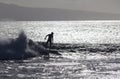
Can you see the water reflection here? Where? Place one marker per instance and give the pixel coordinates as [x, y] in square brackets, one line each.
[63, 67]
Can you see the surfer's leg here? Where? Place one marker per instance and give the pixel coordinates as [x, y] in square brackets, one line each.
[50, 43]
[47, 42]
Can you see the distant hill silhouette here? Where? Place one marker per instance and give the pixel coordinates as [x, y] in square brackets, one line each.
[14, 12]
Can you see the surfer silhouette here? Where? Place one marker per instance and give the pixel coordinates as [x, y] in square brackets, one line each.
[50, 39]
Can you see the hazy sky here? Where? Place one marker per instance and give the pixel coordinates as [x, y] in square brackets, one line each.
[107, 6]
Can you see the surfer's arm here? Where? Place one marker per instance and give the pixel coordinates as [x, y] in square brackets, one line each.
[45, 36]
[52, 40]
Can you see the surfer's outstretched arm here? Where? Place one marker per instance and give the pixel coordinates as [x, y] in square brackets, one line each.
[46, 37]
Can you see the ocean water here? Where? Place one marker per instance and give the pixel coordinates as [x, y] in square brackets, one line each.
[75, 64]
[65, 31]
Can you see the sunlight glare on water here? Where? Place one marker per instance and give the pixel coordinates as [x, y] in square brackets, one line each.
[77, 61]
[65, 31]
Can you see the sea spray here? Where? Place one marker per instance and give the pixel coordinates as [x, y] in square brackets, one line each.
[18, 48]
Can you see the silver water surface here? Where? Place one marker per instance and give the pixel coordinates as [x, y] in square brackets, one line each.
[73, 64]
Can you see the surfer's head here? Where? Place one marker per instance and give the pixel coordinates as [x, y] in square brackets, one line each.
[52, 33]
